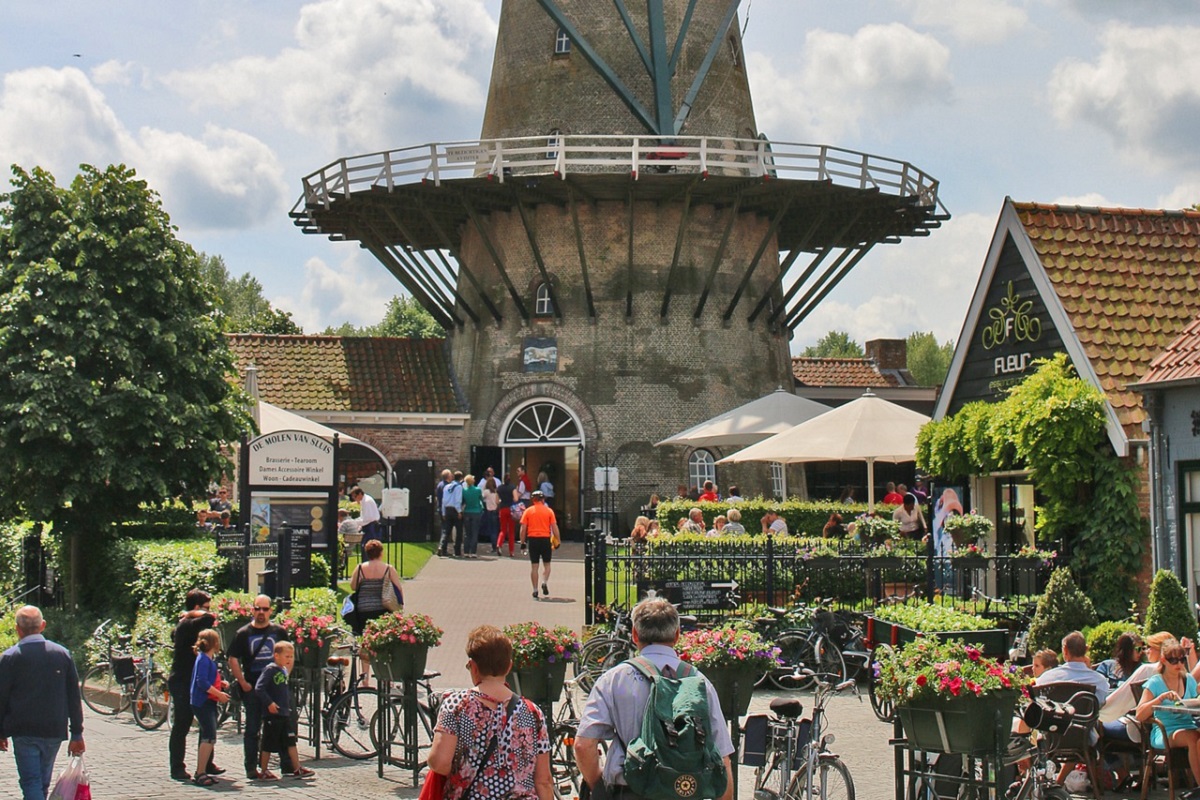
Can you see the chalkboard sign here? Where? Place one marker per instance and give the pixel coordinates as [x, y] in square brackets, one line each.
[690, 595]
[301, 553]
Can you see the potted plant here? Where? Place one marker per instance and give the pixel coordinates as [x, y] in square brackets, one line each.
[817, 553]
[312, 634]
[1041, 558]
[950, 698]
[875, 529]
[540, 658]
[733, 659]
[970, 556]
[967, 528]
[232, 610]
[399, 643]
[908, 622]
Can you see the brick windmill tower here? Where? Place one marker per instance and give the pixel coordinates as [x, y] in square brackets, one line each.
[621, 254]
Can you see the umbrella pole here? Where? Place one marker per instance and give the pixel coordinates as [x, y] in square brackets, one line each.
[870, 486]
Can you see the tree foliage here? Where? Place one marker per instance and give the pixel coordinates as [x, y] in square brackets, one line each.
[1062, 609]
[405, 318]
[1052, 424]
[835, 344]
[928, 361]
[241, 305]
[113, 385]
[1169, 609]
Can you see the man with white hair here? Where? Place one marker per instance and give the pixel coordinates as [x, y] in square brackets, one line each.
[39, 698]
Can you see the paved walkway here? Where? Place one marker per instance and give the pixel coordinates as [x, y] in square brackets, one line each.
[127, 762]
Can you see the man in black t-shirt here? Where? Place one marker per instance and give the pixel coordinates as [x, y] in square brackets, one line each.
[253, 649]
[196, 618]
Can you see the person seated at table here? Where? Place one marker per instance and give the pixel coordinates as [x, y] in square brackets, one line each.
[834, 528]
[1043, 660]
[1126, 658]
[641, 528]
[719, 524]
[694, 523]
[733, 522]
[1163, 691]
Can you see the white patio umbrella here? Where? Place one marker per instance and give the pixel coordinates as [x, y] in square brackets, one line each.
[272, 418]
[868, 429]
[751, 422]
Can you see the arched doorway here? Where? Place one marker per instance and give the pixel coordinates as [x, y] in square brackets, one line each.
[547, 436]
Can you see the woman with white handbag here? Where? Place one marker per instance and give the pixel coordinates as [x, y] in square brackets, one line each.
[375, 586]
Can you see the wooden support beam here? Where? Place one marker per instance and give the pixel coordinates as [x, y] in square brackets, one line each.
[481, 229]
[462, 266]
[684, 216]
[720, 254]
[587, 283]
[450, 286]
[758, 254]
[818, 284]
[537, 255]
[407, 258]
[813, 266]
[629, 268]
[446, 319]
[863, 250]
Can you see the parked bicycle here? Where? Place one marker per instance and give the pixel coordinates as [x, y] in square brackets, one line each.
[352, 720]
[1016, 617]
[564, 771]
[797, 763]
[604, 651]
[806, 649]
[127, 681]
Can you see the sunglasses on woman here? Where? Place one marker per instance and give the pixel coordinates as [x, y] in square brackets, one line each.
[1175, 659]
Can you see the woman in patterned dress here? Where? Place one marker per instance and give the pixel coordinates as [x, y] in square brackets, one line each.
[518, 764]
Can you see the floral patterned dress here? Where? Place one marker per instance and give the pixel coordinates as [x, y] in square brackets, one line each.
[521, 738]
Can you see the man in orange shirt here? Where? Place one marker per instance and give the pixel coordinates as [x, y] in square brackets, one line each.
[537, 524]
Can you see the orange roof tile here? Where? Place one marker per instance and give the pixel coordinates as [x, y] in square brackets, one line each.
[336, 373]
[1117, 271]
[1180, 361]
[840, 372]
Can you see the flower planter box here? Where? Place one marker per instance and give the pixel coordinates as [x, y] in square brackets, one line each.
[884, 562]
[821, 562]
[734, 687]
[992, 642]
[964, 563]
[400, 662]
[966, 724]
[541, 683]
[313, 654]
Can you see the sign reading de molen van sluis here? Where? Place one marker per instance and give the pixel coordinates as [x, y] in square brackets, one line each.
[291, 458]
[1013, 331]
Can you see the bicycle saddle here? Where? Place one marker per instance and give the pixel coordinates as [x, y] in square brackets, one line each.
[430, 675]
[335, 661]
[786, 707]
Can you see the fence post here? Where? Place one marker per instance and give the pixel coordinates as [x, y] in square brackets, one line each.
[589, 565]
[770, 569]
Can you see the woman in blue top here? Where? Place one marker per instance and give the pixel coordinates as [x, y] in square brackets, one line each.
[1164, 690]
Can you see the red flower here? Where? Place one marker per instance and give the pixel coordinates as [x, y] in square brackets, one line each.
[922, 680]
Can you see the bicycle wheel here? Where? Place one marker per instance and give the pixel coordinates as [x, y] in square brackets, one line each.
[601, 654]
[795, 653]
[151, 701]
[830, 664]
[349, 724]
[883, 708]
[101, 691]
[397, 732]
[830, 781]
[563, 771]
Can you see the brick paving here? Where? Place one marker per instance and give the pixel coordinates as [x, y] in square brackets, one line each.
[127, 762]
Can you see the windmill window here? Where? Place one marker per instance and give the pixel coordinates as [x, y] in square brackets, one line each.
[701, 467]
[543, 305]
[562, 43]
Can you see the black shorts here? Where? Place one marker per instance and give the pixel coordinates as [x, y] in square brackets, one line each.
[278, 734]
[539, 548]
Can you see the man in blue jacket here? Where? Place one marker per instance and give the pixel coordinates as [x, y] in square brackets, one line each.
[39, 695]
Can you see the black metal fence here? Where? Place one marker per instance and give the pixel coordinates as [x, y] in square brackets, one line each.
[717, 577]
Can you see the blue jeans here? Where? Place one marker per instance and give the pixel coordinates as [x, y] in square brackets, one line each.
[35, 764]
[471, 523]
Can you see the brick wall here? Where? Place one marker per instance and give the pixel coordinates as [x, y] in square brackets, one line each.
[888, 353]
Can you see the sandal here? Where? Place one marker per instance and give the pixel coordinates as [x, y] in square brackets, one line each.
[204, 780]
[267, 775]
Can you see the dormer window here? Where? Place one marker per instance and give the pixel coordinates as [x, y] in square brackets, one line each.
[562, 43]
[543, 305]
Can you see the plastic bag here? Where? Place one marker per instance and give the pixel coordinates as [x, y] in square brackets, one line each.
[73, 778]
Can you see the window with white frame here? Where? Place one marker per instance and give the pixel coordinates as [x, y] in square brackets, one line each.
[562, 43]
[701, 467]
[777, 480]
[543, 305]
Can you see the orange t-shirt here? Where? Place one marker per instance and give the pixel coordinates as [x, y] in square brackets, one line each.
[537, 520]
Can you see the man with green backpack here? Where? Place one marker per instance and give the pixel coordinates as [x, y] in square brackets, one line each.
[667, 737]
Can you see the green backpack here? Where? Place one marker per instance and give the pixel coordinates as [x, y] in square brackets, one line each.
[675, 756]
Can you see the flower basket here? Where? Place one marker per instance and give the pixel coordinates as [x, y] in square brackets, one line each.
[539, 683]
[884, 562]
[400, 662]
[732, 659]
[313, 654]
[734, 687]
[970, 562]
[970, 724]
[968, 528]
[821, 562]
[312, 633]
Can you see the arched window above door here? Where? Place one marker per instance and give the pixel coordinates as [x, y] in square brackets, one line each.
[542, 422]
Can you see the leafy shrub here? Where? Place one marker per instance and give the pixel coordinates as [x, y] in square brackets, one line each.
[318, 601]
[1062, 609]
[321, 572]
[1103, 638]
[166, 571]
[12, 572]
[803, 518]
[1168, 609]
[930, 618]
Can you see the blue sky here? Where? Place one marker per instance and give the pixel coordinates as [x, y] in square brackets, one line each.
[223, 106]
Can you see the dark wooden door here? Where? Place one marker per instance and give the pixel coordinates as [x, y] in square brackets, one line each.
[418, 478]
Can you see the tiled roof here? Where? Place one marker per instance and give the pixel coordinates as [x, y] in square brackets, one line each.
[336, 373]
[1180, 361]
[1127, 279]
[841, 372]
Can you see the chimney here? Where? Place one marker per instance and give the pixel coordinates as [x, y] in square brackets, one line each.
[888, 353]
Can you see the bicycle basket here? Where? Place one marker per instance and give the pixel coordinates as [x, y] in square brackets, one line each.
[123, 668]
[824, 621]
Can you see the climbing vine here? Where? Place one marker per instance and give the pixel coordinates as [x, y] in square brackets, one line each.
[1053, 425]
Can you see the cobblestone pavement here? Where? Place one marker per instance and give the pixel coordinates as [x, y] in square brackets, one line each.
[127, 762]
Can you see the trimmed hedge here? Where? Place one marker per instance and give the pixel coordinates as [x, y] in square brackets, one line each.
[803, 517]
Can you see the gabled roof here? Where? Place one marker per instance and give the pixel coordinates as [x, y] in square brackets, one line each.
[848, 372]
[1179, 363]
[1119, 284]
[361, 374]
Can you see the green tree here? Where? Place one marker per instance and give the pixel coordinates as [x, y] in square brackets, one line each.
[242, 307]
[1168, 608]
[1062, 609]
[835, 344]
[404, 318]
[113, 385]
[928, 361]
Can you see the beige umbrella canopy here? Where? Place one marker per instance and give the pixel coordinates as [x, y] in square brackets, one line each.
[273, 418]
[868, 429]
[750, 423]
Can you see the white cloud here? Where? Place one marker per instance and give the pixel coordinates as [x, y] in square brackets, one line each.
[120, 73]
[1184, 195]
[356, 291]
[57, 119]
[842, 82]
[980, 21]
[359, 70]
[1141, 90]
[1088, 200]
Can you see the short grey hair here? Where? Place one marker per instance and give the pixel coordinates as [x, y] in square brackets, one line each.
[656, 621]
[29, 620]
